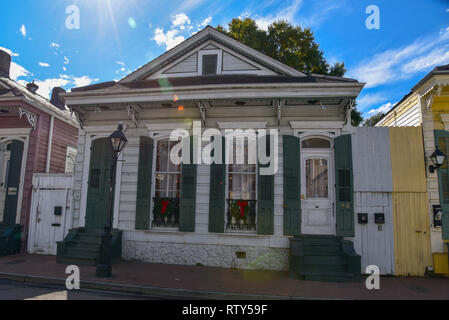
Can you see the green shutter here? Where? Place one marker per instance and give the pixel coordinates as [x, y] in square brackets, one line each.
[217, 193]
[12, 185]
[442, 142]
[144, 183]
[292, 186]
[344, 186]
[188, 194]
[265, 200]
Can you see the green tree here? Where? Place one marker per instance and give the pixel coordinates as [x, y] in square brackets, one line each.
[356, 117]
[373, 120]
[291, 45]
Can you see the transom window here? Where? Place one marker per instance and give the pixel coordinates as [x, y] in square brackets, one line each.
[316, 143]
[167, 187]
[242, 181]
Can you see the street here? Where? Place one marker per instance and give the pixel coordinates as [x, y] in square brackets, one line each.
[10, 290]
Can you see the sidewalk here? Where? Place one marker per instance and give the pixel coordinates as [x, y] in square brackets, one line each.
[194, 282]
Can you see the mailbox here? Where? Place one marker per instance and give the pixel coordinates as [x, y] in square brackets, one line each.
[379, 218]
[362, 218]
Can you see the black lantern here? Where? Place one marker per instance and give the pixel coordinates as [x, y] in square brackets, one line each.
[118, 143]
[118, 140]
[437, 159]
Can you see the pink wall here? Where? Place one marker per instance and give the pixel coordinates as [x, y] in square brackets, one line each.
[63, 135]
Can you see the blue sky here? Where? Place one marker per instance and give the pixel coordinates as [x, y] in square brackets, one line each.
[117, 36]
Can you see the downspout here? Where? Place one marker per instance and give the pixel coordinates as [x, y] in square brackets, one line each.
[50, 138]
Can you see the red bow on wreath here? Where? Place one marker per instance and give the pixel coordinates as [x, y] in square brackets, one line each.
[165, 204]
[242, 205]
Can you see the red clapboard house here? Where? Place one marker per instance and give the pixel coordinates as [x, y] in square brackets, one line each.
[36, 136]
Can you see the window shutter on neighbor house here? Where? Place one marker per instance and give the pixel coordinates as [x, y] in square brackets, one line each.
[217, 193]
[292, 186]
[442, 142]
[188, 194]
[344, 186]
[265, 199]
[144, 183]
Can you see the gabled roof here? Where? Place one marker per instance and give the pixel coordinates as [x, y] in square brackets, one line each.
[11, 90]
[209, 33]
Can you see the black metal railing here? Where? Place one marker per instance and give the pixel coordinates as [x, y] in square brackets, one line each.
[241, 215]
[166, 213]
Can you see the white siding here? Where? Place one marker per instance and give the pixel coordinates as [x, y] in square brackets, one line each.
[232, 63]
[189, 64]
[410, 118]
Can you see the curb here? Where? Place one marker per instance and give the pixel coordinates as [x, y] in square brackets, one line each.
[166, 293]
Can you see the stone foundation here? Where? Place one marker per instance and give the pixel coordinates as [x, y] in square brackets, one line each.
[257, 258]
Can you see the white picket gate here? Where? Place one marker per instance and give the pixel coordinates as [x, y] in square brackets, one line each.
[51, 212]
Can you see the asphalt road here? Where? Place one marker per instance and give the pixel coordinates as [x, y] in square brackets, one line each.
[19, 291]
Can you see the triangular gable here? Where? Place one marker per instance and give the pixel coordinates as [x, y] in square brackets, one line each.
[238, 58]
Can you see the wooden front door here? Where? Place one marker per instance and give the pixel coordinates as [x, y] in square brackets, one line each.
[99, 184]
[13, 182]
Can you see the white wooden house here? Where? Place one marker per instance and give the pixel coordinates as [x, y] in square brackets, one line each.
[185, 214]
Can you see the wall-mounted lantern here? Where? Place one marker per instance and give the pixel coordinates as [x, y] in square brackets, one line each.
[437, 159]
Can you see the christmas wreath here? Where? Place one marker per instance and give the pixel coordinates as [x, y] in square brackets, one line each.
[240, 210]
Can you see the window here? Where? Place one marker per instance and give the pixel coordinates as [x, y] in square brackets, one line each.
[241, 203]
[316, 143]
[317, 178]
[210, 64]
[70, 160]
[167, 187]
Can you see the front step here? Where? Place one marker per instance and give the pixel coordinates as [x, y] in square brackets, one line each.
[82, 246]
[323, 258]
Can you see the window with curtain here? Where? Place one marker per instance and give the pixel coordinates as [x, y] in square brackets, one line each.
[167, 187]
[242, 189]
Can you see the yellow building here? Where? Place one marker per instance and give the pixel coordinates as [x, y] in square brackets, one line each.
[427, 106]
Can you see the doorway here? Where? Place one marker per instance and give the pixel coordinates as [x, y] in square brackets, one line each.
[98, 193]
[10, 171]
[317, 186]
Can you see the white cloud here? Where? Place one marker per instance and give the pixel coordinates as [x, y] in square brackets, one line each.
[46, 86]
[16, 71]
[44, 64]
[170, 39]
[397, 64]
[66, 60]
[383, 109]
[180, 19]
[120, 63]
[205, 22]
[288, 14]
[368, 100]
[64, 68]
[83, 81]
[55, 45]
[12, 54]
[447, 10]
[181, 27]
[23, 30]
